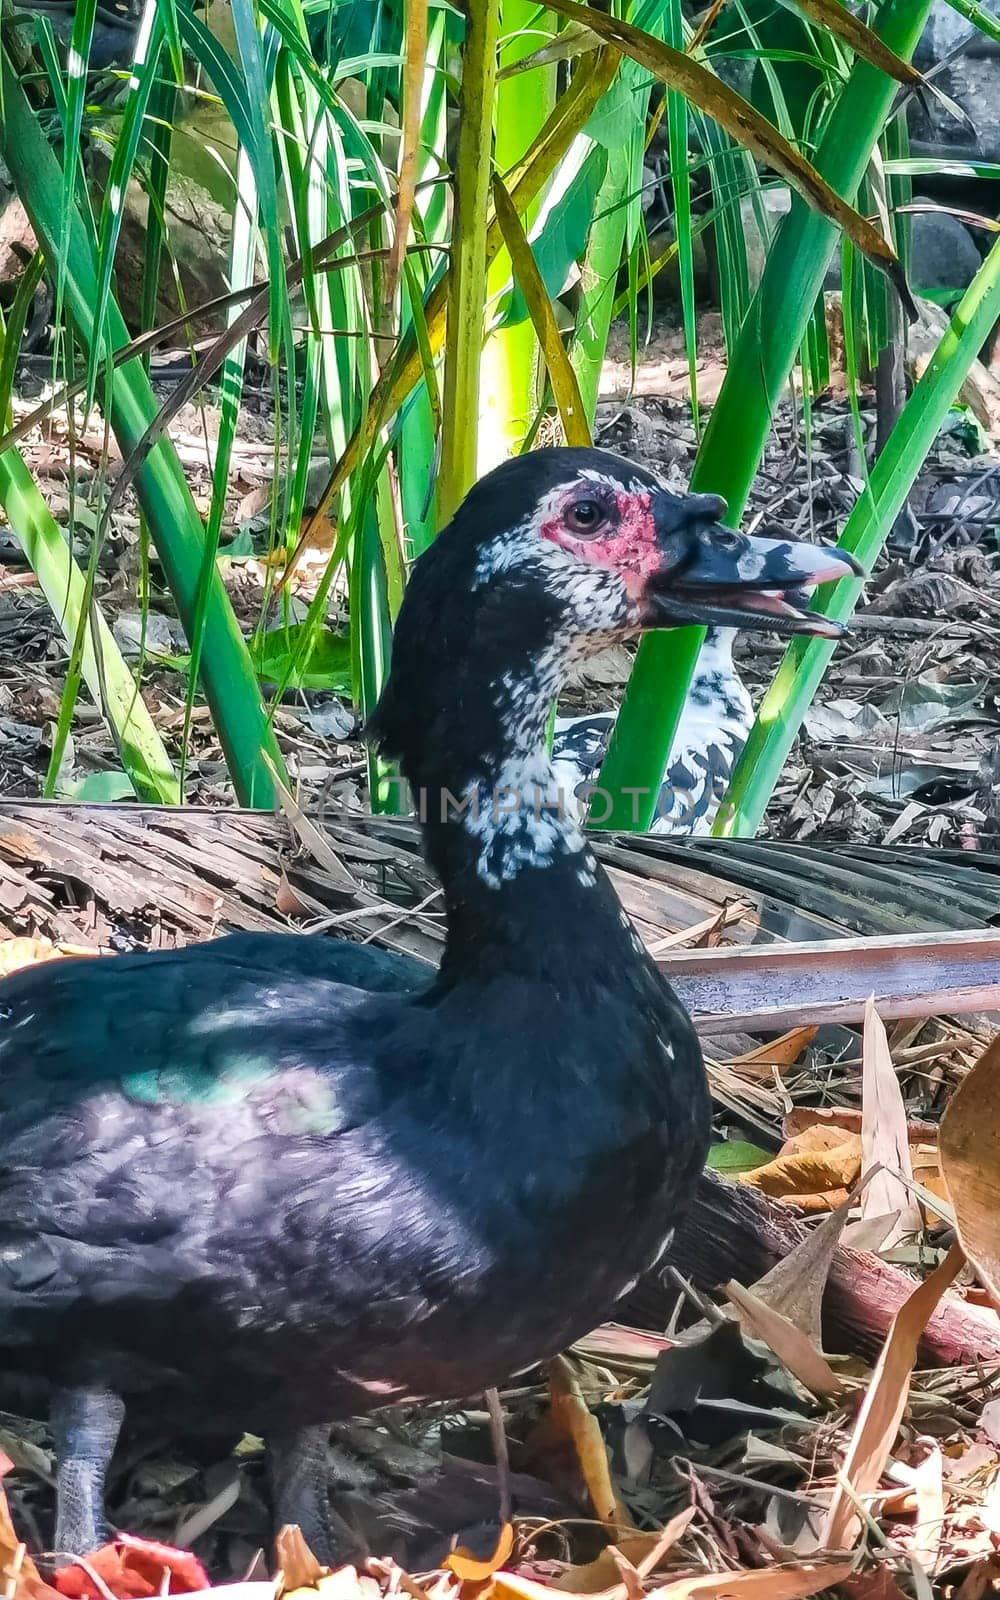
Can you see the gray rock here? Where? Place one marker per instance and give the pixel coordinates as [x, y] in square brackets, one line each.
[946, 30]
[943, 254]
[970, 79]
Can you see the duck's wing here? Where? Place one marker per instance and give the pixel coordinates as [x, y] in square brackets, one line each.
[125, 1081]
[297, 955]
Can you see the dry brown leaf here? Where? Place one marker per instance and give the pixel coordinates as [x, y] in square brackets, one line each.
[870, 1234]
[612, 1341]
[299, 1568]
[643, 1551]
[877, 1584]
[322, 538]
[980, 1580]
[926, 1162]
[473, 1570]
[344, 1583]
[884, 1403]
[781, 1053]
[850, 1119]
[572, 1417]
[795, 1285]
[970, 1165]
[791, 1346]
[815, 1170]
[768, 1583]
[884, 1140]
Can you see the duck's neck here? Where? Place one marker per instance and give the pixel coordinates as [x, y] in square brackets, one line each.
[522, 887]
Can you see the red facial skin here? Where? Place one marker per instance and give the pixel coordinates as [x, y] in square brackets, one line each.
[629, 548]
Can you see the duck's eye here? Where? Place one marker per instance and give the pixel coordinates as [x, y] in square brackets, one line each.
[585, 517]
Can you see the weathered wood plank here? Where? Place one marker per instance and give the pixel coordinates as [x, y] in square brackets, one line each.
[784, 985]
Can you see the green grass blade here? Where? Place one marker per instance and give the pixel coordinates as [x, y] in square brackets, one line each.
[680, 181]
[983, 19]
[230, 684]
[730, 453]
[743, 123]
[464, 335]
[105, 673]
[543, 319]
[892, 477]
[522, 102]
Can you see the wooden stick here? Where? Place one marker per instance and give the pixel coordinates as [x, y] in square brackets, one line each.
[730, 1231]
[783, 986]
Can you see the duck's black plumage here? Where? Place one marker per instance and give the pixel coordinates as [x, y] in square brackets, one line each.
[293, 1200]
[269, 1181]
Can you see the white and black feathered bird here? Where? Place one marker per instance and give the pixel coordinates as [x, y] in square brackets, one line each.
[712, 731]
[266, 1182]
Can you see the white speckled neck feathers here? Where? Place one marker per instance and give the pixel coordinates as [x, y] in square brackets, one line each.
[471, 739]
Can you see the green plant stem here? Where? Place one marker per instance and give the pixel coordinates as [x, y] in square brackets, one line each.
[507, 379]
[805, 661]
[105, 673]
[230, 683]
[467, 296]
[768, 342]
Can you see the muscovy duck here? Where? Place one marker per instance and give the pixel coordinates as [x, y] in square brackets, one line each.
[716, 719]
[116, 26]
[116, 23]
[270, 1181]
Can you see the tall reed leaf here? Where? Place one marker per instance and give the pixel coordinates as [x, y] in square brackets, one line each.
[703, 89]
[406, 368]
[892, 477]
[529, 280]
[769, 342]
[230, 683]
[466, 309]
[105, 673]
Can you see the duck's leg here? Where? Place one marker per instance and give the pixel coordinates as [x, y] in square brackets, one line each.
[85, 1428]
[298, 1467]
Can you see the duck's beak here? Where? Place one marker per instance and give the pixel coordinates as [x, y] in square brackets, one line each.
[711, 574]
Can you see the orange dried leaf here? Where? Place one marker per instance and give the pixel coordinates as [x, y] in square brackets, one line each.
[472, 1570]
[783, 1052]
[822, 1172]
[970, 1165]
[572, 1417]
[299, 1568]
[20, 1576]
[132, 1569]
[884, 1403]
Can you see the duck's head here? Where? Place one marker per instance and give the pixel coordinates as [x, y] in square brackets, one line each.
[600, 529]
[558, 552]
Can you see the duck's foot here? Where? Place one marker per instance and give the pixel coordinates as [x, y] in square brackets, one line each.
[85, 1427]
[298, 1468]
